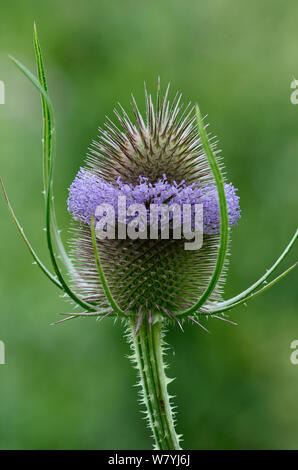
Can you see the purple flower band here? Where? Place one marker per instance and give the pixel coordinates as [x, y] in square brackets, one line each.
[88, 191]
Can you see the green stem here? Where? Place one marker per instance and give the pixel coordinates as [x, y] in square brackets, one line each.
[148, 357]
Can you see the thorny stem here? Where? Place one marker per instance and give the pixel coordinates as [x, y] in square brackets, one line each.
[147, 345]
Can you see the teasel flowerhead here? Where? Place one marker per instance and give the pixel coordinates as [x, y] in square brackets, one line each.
[159, 159]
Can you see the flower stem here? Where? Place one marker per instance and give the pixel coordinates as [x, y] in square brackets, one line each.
[147, 345]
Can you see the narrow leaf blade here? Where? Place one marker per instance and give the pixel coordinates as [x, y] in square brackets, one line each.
[224, 222]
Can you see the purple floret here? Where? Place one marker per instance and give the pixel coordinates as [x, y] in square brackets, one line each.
[88, 191]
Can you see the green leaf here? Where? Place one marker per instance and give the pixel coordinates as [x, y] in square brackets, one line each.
[65, 286]
[218, 309]
[49, 198]
[253, 287]
[105, 286]
[47, 127]
[49, 144]
[25, 239]
[224, 222]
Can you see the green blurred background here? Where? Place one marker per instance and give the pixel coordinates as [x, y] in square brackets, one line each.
[71, 386]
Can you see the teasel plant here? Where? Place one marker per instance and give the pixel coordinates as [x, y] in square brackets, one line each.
[148, 284]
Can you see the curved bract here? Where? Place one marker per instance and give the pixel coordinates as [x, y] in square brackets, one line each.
[224, 223]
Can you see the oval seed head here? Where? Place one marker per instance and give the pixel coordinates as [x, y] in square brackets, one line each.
[157, 160]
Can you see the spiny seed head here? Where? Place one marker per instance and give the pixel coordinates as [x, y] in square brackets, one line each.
[165, 143]
[136, 156]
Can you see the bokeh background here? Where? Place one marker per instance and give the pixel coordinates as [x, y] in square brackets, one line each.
[71, 386]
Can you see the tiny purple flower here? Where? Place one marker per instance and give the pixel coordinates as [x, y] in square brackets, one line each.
[88, 191]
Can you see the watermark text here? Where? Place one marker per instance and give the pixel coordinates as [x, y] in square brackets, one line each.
[294, 355]
[2, 92]
[156, 221]
[2, 353]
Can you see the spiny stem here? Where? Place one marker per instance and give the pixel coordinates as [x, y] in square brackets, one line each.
[148, 358]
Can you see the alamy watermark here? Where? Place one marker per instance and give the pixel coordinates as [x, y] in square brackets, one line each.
[294, 354]
[2, 353]
[138, 221]
[294, 94]
[2, 92]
